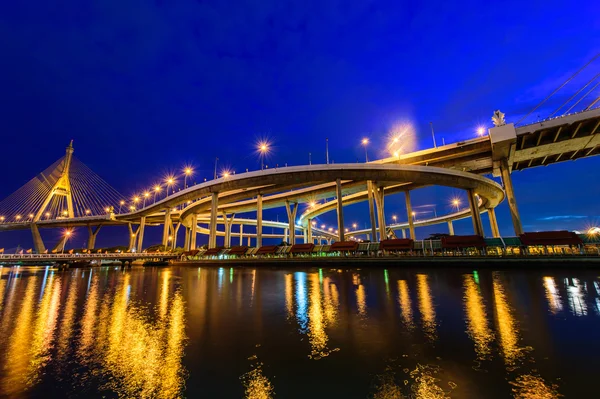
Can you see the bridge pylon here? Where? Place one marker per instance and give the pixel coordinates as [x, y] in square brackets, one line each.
[62, 187]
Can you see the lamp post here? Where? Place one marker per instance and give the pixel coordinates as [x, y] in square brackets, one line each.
[456, 203]
[170, 182]
[263, 148]
[394, 218]
[67, 235]
[365, 141]
[216, 160]
[156, 191]
[186, 172]
[146, 195]
[121, 203]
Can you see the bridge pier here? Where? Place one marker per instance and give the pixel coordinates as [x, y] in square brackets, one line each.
[475, 215]
[166, 227]
[493, 222]
[175, 232]
[194, 232]
[38, 244]
[309, 235]
[340, 210]
[403, 233]
[228, 224]
[510, 196]
[259, 212]
[286, 235]
[450, 228]
[291, 210]
[242, 235]
[132, 236]
[186, 240]
[92, 234]
[371, 210]
[409, 214]
[212, 227]
[379, 197]
[141, 233]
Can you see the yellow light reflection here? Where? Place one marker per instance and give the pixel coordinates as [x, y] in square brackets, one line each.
[289, 295]
[43, 332]
[330, 301]
[316, 325]
[426, 307]
[506, 325]
[88, 321]
[405, 304]
[256, 385]
[67, 322]
[17, 357]
[361, 300]
[533, 387]
[552, 295]
[477, 322]
[140, 358]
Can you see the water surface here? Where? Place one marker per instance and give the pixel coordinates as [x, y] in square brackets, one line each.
[298, 333]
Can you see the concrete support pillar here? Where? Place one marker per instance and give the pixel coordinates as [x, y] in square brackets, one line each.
[228, 224]
[450, 228]
[309, 231]
[379, 197]
[340, 210]
[186, 244]
[92, 234]
[249, 241]
[291, 210]
[212, 227]
[166, 227]
[259, 220]
[38, 244]
[474, 205]
[409, 214]
[242, 234]
[175, 232]
[140, 233]
[403, 233]
[371, 210]
[493, 222]
[510, 196]
[132, 236]
[193, 232]
[286, 235]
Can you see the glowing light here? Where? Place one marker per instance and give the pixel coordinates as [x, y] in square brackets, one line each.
[122, 203]
[18, 217]
[65, 212]
[68, 233]
[132, 208]
[188, 171]
[157, 188]
[312, 204]
[170, 238]
[105, 209]
[313, 223]
[87, 211]
[331, 229]
[146, 194]
[481, 130]
[354, 226]
[365, 141]
[394, 218]
[322, 226]
[594, 231]
[2, 218]
[136, 199]
[31, 215]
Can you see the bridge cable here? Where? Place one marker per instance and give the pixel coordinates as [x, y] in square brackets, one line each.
[560, 87]
[575, 95]
[584, 96]
[592, 104]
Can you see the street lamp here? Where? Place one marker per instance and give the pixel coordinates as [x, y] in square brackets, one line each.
[456, 203]
[136, 199]
[480, 131]
[121, 203]
[170, 181]
[18, 217]
[186, 172]
[87, 211]
[67, 235]
[146, 195]
[365, 141]
[354, 226]
[394, 218]
[414, 214]
[263, 148]
[156, 191]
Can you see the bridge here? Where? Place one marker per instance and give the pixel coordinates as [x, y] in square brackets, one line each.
[81, 257]
[68, 194]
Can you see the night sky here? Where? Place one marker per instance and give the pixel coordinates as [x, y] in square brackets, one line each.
[145, 87]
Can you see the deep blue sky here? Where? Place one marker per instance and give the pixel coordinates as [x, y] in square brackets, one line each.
[145, 87]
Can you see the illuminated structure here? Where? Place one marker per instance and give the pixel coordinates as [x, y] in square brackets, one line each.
[68, 194]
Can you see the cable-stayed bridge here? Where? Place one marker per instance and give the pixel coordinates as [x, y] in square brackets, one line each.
[68, 194]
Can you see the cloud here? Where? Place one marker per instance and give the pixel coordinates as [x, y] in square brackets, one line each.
[563, 217]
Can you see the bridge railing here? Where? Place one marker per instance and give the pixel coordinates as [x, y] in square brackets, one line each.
[137, 255]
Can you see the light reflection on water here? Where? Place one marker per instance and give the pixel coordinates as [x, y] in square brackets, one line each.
[177, 332]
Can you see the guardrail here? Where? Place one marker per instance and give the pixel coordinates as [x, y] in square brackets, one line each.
[124, 255]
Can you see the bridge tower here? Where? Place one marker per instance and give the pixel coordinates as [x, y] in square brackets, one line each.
[62, 187]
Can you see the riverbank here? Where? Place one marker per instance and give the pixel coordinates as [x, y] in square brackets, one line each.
[479, 262]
